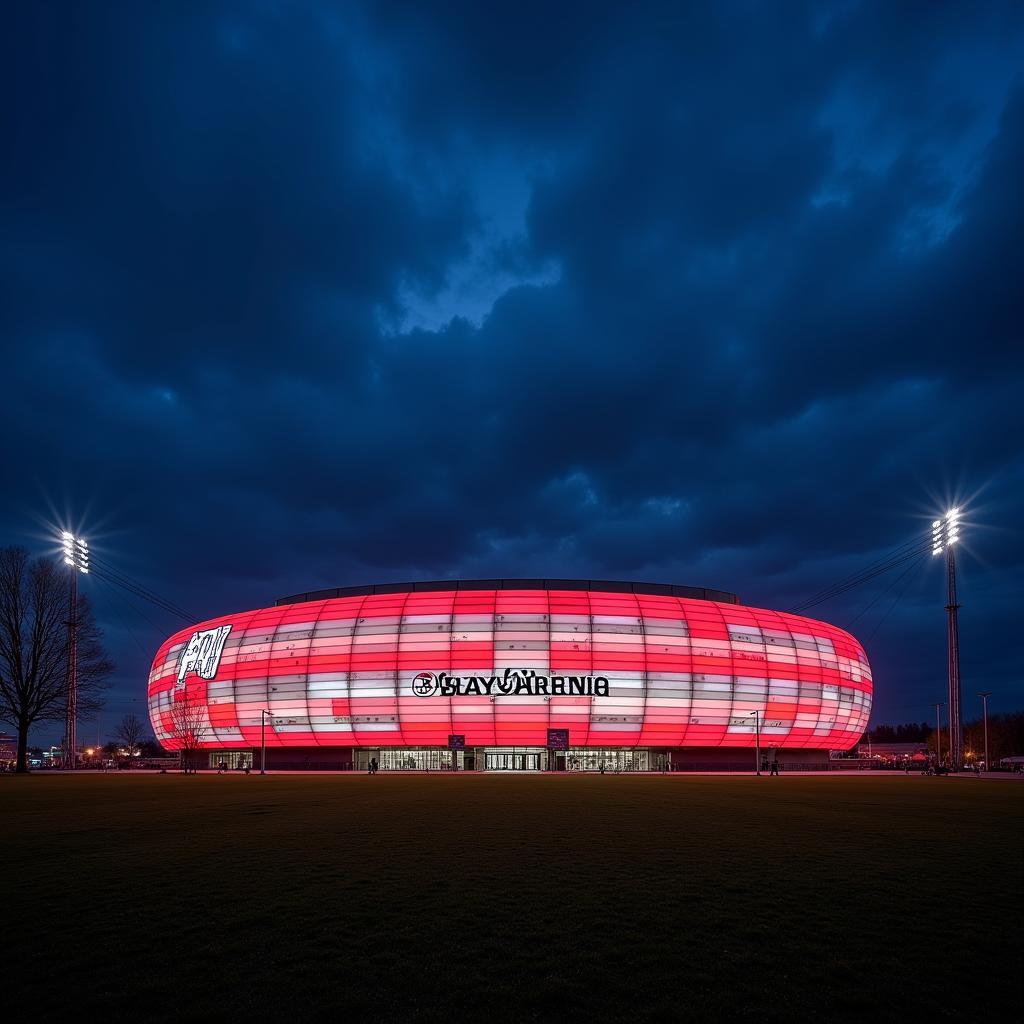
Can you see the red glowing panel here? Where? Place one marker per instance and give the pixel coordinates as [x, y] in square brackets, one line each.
[504, 666]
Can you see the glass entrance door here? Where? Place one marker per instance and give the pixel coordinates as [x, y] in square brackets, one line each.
[512, 762]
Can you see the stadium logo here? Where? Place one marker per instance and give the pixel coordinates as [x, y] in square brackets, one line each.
[202, 653]
[513, 682]
[424, 684]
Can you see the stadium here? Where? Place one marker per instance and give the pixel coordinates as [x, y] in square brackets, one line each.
[510, 675]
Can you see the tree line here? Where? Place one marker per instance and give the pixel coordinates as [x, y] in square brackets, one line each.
[909, 732]
[1005, 735]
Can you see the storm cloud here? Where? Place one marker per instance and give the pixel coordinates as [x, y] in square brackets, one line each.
[728, 295]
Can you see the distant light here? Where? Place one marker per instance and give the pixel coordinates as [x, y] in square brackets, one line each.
[67, 536]
[69, 561]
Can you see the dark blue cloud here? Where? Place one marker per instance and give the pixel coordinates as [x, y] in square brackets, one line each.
[724, 295]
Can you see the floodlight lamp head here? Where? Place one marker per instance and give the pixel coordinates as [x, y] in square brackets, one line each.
[76, 551]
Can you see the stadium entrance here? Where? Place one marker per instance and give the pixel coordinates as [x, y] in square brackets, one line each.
[504, 759]
[510, 759]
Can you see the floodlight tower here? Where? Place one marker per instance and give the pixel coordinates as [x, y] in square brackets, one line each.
[945, 534]
[76, 555]
[938, 734]
[984, 704]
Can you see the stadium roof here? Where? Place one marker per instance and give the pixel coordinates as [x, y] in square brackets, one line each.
[606, 586]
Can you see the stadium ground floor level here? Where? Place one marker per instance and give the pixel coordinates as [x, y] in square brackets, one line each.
[516, 759]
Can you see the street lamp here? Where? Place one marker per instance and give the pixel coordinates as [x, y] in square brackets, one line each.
[757, 741]
[984, 705]
[945, 534]
[76, 555]
[263, 740]
[938, 735]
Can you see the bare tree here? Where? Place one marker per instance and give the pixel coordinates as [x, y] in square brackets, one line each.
[34, 609]
[130, 733]
[189, 728]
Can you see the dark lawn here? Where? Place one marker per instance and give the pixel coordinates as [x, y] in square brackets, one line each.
[512, 898]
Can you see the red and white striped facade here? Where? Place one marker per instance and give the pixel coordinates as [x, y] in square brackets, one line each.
[681, 672]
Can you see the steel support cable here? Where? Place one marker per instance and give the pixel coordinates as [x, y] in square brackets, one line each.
[853, 586]
[101, 574]
[895, 601]
[864, 577]
[145, 595]
[896, 552]
[856, 580]
[893, 583]
[120, 579]
[126, 583]
[124, 622]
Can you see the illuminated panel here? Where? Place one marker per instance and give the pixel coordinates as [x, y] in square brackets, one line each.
[669, 671]
[521, 643]
[374, 682]
[679, 672]
[330, 669]
[425, 643]
[571, 654]
[472, 652]
[618, 647]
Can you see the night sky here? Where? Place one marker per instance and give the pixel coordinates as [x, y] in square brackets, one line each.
[728, 295]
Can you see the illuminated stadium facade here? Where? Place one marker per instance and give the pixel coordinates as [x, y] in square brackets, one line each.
[510, 675]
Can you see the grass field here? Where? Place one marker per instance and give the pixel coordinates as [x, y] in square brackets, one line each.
[512, 898]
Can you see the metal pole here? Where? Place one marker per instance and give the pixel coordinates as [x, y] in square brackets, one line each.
[938, 736]
[70, 739]
[757, 742]
[984, 705]
[263, 742]
[956, 734]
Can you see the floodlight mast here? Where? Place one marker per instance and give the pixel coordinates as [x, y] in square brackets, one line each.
[938, 735]
[76, 555]
[984, 704]
[945, 534]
